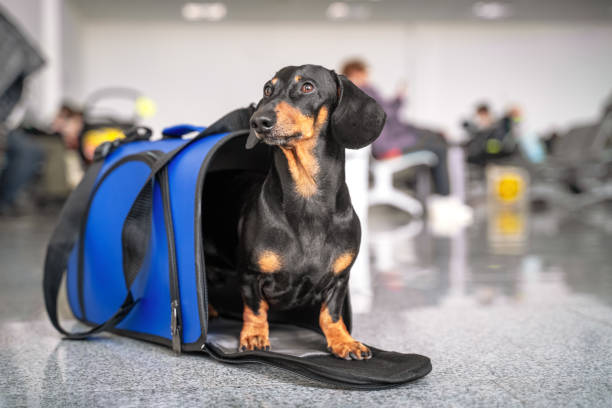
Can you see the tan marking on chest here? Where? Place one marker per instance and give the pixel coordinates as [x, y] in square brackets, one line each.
[301, 159]
[342, 262]
[269, 262]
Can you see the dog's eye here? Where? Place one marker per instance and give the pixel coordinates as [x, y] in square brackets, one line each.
[307, 87]
[267, 90]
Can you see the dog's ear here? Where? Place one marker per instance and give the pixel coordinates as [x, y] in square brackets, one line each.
[357, 119]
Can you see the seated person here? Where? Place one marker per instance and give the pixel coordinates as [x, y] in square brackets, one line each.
[68, 123]
[22, 156]
[57, 139]
[483, 118]
[35, 159]
[398, 137]
[490, 138]
[23, 160]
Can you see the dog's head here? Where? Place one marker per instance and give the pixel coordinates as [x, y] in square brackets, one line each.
[299, 102]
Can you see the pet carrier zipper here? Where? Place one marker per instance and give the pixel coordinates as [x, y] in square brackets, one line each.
[176, 317]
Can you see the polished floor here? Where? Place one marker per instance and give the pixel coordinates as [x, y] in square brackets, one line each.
[515, 310]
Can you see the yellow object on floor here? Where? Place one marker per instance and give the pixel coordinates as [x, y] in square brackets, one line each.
[508, 217]
[507, 185]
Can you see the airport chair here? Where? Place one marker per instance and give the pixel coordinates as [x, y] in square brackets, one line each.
[581, 162]
[383, 191]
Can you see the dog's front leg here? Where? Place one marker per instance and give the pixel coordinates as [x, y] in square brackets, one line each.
[339, 341]
[255, 330]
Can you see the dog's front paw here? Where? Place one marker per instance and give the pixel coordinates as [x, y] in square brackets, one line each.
[348, 350]
[254, 342]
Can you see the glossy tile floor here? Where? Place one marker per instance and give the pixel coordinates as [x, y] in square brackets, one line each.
[515, 310]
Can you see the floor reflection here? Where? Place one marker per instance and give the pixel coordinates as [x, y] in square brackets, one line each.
[507, 257]
[499, 319]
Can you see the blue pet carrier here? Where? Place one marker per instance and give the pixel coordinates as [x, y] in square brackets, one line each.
[130, 242]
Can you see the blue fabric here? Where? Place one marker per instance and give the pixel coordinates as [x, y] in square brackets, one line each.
[103, 281]
[111, 214]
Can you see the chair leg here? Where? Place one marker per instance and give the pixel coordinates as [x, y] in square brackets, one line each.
[383, 192]
[406, 203]
[423, 183]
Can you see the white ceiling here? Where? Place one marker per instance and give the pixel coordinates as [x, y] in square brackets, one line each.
[376, 10]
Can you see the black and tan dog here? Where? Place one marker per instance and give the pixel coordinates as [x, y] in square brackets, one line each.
[299, 238]
[298, 234]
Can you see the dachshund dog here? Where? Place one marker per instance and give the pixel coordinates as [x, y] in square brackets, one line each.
[299, 235]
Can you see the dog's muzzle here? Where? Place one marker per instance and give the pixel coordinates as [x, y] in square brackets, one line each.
[263, 129]
[261, 124]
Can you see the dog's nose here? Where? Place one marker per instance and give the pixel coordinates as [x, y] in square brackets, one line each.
[262, 123]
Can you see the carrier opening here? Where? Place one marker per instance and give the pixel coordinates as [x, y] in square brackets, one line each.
[234, 175]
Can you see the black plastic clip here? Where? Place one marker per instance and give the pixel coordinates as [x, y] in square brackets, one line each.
[103, 150]
[138, 133]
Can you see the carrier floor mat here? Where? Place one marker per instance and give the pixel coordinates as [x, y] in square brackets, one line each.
[303, 352]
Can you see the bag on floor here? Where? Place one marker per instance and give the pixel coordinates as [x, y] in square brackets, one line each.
[130, 241]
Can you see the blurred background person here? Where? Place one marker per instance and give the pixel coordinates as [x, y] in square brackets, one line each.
[399, 137]
[483, 118]
[68, 123]
[489, 138]
[23, 159]
[35, 173]
[60, 141]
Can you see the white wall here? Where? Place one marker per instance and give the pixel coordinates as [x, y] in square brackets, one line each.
[196, 73]
[41, 22]
[558, 73]
[72, 53]
[27, 14]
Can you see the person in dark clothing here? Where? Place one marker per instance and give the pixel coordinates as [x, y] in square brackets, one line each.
[397, 137]
[483, 118]
[24, 159]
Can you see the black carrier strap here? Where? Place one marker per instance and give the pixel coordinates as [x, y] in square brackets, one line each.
[60, 246]
[136, 229]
